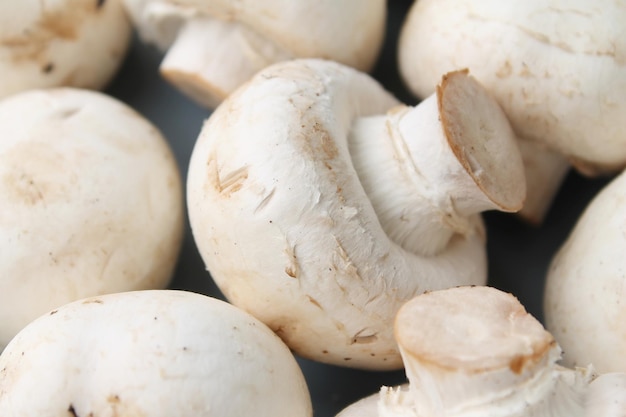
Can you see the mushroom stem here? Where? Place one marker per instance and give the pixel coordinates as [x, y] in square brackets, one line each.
[487, 358]
[607, 396]
[429, 169]
[231, 54]
[545, 172]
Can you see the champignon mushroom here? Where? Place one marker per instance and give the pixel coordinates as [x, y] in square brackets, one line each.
[585, 293]
[78, 43]
[319, 203]
[557, 69]
[475, 351]
[158, 353]
[213, 46]
[91, 202]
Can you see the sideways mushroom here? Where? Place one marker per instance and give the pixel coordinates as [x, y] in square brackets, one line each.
[213, 46]
[158, 353]
[91, 202]
[78, 43]
[557, 69]
[320, 204]
[585, 293]
[475, 351]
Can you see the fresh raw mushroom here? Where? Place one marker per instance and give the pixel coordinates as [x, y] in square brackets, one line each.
[78, 43]
[585, 294]
[213, 46]
[320, 204]
[159, 353]
[91, 202]
[557, 68]
[475, 351]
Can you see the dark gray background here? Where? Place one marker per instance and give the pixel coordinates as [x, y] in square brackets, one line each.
[519, 254]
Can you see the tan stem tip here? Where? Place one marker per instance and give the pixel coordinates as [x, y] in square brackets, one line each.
[467, 114]
[474, 329]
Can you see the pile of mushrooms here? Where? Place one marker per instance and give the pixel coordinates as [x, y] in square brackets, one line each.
[584, 298]
[214, 46]
[340, 224]
[77, 43]
[557, 69]
[475, 351]
[91, 202]
[157, 353]
[320, 204]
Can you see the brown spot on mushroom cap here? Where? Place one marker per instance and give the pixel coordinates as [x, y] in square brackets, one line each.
[226, 184]
[505, 70]
[93, 301]
[471, 329]
[28, 178]
[62, 22]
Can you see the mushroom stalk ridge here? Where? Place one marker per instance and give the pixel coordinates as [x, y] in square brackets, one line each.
[231, 54]
[547, 391]
[429, 169]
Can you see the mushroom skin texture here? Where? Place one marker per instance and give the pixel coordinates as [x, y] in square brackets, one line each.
[475, 351]
[54, 43]
[157, 353]
[584, 298]
[213, 46]
[91, 202]
[320, 204]
[557, 69]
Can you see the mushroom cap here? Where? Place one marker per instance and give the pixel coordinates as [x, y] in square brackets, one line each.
[350, 31]
[75, 43]
[285, 228]
[91, 202]
[584, 299]
[557, 70]
[150, 353]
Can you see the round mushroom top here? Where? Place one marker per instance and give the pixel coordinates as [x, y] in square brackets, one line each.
[78, 43]
[585, 283]
[91, 202]
[350, 31]
[471, 329]
[150, 353]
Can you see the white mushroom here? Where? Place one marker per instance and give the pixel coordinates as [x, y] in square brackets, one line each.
[213, 46]
[557, 69]
[158, 353]
[475, 351]
[91, 202]
[79, 43]
[319, 203]
[585, 294]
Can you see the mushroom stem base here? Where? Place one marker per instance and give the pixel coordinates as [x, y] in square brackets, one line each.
[210, 58]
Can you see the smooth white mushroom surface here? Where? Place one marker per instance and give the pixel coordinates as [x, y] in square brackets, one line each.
[213, 46]
[52, 43]
[320, 204]
[557, 68]
[475, 351]
[91, 202]
[585, 293]
[158, 353]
